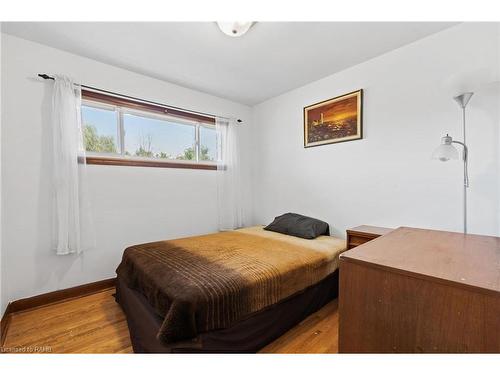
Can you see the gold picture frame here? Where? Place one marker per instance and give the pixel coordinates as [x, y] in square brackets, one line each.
[335, 120]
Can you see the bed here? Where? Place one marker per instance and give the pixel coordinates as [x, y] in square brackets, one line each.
[224, 292]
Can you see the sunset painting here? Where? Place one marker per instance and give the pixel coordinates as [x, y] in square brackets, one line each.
[334, 120]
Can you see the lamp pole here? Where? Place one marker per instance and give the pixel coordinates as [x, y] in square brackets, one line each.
[462, 101]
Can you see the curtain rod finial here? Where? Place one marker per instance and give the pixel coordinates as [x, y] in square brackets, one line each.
[45, 76]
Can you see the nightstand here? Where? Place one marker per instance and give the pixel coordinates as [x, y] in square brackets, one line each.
[359, 235]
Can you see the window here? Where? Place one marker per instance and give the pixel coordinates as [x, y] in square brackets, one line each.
[123, 132]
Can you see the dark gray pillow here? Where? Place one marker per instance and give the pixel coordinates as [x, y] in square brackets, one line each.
[299, 226]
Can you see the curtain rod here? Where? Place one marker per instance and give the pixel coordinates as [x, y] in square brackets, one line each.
[46, 76]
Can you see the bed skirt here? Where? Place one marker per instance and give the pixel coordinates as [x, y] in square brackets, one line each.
[246, 336]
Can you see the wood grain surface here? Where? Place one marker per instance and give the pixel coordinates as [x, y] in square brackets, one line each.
[96, 324]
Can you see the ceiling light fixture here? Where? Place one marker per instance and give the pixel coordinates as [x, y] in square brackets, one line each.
[234, 29]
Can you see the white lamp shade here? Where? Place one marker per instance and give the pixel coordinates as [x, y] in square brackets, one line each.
[445, 152]
[234, 28]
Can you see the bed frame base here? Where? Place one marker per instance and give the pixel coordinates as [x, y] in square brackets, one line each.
[247, 336]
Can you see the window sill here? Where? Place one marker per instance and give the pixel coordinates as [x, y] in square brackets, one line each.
[100, 160]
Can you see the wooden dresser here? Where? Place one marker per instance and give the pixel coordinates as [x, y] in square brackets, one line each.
[415, 290]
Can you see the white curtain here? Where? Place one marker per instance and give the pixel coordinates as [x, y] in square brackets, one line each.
[229, 195]
[73, 229]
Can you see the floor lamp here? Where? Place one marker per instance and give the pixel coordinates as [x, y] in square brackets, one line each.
[447, 151]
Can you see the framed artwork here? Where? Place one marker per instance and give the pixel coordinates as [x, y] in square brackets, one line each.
[334, 120]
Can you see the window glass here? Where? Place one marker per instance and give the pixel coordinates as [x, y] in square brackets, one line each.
[208, 144]
[100, 129]
[149, 137]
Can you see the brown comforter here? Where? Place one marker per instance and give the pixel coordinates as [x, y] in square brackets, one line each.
[209, 282]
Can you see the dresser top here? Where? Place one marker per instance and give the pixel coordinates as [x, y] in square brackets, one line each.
[469, 260]
[369, 229]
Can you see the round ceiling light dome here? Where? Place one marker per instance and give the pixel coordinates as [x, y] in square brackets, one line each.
[234, 28]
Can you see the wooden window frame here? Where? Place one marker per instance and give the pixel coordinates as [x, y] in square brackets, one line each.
[97, 97]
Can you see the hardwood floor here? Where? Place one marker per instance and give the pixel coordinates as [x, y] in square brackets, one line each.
[96, 324]
[90, 324]
[318, 333]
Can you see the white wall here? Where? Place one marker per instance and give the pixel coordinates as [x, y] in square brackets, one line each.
[388, 178]
[131, 205]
